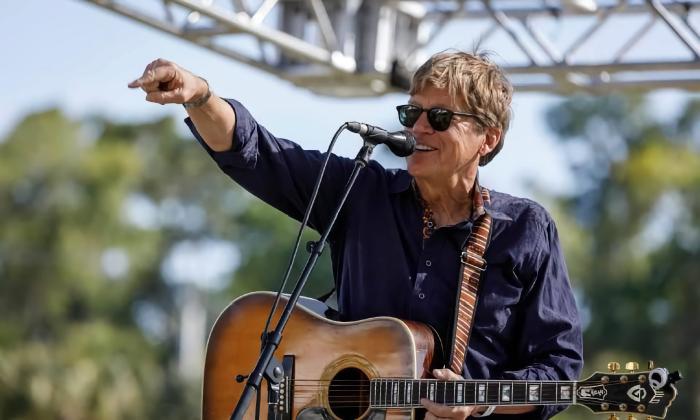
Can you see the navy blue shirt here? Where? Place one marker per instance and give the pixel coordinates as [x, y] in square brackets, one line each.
[526, 324]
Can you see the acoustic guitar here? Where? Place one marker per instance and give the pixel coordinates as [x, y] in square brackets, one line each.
[378, 369]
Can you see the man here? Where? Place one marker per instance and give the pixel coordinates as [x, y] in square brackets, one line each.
[396, 246]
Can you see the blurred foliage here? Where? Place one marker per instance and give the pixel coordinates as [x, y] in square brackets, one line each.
[631, 231]
[89, 214]
[92, 212]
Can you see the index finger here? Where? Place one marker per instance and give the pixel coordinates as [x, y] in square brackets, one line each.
[160, 74]
[446, 374]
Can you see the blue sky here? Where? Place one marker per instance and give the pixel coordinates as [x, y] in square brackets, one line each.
[80, 57]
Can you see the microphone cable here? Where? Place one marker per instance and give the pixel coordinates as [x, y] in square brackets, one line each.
[304, 223]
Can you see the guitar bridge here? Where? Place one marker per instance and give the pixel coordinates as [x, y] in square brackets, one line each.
[280, 396]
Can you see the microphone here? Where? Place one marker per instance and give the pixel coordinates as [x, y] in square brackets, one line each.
[401, 143]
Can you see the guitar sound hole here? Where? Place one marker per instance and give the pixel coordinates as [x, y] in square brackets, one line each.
[348, 394]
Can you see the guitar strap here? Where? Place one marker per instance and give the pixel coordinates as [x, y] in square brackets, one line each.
[473, 267]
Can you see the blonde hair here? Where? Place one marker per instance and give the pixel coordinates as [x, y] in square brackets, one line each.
[477, 84]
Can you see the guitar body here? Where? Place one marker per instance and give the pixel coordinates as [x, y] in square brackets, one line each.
[319, 356]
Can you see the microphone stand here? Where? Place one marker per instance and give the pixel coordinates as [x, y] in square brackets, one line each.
[273, 372]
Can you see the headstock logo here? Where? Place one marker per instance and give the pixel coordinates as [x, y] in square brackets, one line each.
[637, 393]
[658, 395]
[597, 392]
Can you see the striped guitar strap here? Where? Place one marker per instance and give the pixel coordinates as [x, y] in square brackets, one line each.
[473, 266]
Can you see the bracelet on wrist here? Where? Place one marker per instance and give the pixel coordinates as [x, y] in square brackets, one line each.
[200, 101]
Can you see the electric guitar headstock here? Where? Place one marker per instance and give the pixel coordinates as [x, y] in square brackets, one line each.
[644, 393]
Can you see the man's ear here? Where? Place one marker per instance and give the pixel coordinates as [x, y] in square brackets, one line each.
[493, 137]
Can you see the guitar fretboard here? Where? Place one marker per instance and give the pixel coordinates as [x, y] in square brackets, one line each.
[407, 393]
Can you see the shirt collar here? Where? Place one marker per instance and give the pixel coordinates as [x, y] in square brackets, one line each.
[401, 182]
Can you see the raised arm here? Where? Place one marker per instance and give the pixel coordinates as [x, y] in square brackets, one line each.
[277, 170]
[167, 83]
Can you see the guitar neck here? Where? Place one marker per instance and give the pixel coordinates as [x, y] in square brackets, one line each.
[407, 393]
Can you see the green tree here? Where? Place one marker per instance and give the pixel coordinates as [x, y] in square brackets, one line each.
[634, 235]
[77, 268]
[90, 214]
[266, 240]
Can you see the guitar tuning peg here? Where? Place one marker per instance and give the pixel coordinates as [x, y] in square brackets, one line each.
[650, 364]
[613, 366]
[632, 366]
[613, 416]
[674, 377]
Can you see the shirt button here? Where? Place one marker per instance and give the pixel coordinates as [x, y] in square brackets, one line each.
[428, 263]
[421, 295]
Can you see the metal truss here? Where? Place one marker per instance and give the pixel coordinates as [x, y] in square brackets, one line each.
[370, 47]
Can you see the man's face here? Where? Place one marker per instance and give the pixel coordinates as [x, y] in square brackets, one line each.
[441, 155]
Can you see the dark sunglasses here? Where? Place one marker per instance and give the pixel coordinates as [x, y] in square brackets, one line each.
[439, 118]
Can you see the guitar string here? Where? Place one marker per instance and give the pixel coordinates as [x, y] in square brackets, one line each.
[358, 404]
[351, 397]
[349, 382]
[366, 387]
[354, 398]
[311, 385]
[470, 381]
[350, 401]
[614, 406]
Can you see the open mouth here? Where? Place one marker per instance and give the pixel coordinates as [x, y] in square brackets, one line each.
[424, 148]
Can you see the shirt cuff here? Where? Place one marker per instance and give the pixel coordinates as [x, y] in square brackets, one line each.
[244, 152]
